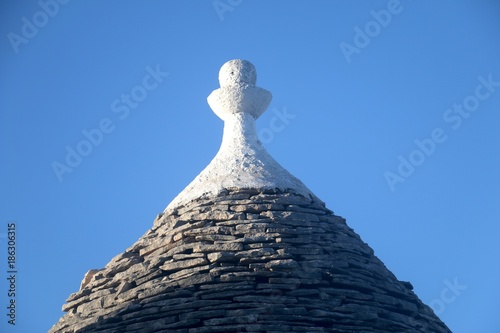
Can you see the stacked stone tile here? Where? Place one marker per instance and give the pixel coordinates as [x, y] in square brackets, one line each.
[246, 247]
[247, 261]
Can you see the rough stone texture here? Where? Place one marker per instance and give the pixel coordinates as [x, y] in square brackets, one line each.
[88, 276]
[247, 261]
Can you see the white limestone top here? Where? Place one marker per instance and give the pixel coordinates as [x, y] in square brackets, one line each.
[242, 161]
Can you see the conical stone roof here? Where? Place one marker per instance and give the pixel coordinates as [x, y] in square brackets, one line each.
[246, 247]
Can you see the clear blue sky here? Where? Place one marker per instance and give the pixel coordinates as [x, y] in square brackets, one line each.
[355, 85]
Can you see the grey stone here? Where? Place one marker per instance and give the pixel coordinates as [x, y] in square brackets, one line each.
[293, 267]
[185, 272]
[88, 276]
[222, 256]
[217, 247]
[188, 256]
[182, 264]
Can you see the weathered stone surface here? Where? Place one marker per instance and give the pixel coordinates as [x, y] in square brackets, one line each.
[256, 208]
[88, 276]
[222, 256]
[182, 264]
[295, 268]
[217, 247]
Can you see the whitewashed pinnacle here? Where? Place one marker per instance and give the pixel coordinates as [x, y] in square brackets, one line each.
[242, 161]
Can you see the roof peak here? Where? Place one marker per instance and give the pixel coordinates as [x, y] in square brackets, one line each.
[242, 161]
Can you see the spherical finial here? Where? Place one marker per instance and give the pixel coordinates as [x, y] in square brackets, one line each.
[238, 93]
[237, 72]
